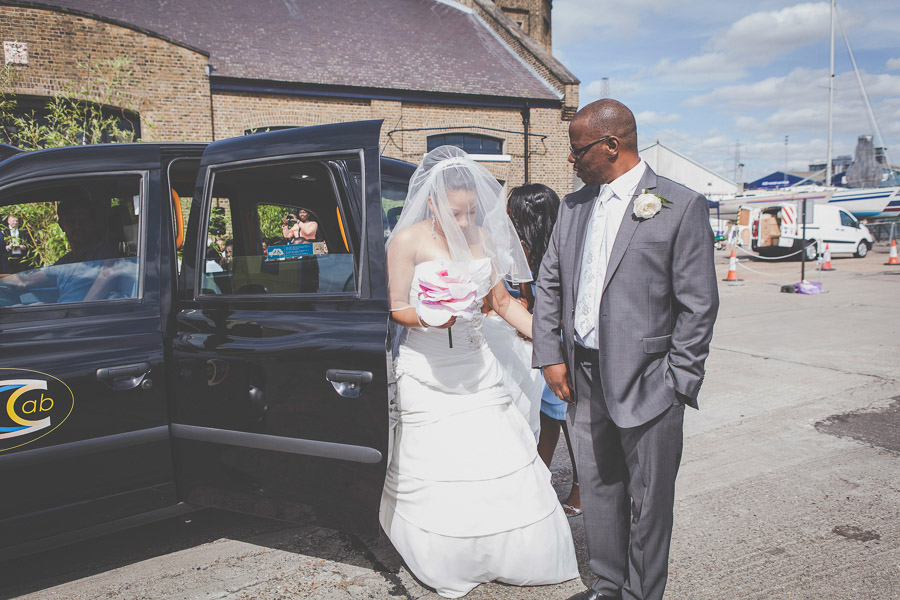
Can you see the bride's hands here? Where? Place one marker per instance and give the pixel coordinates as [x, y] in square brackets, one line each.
[446, 325]
[408, 317]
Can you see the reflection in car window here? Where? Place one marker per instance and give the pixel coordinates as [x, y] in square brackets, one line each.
[79, 241]
[277, 229]
[393, 195]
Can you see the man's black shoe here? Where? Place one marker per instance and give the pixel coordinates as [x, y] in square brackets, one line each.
[592, 594]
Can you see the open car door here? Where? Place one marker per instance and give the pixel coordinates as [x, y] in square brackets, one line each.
[279, 371]
[84, 428]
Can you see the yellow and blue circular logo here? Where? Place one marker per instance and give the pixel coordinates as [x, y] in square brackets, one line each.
[32, 405]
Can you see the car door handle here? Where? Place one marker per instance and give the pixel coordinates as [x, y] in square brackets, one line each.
[126, 377]
[348, 383]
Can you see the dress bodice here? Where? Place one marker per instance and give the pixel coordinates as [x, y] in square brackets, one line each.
[425, 353]
[466, 331]
[479, 270]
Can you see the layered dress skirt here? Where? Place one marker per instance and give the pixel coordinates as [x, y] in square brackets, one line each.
[467, 500]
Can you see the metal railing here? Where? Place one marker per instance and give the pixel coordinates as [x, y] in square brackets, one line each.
[884, 231]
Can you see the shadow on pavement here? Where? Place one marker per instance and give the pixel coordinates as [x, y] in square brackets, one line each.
[33, 573]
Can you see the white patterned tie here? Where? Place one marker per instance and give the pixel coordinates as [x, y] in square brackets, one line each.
[593, 267]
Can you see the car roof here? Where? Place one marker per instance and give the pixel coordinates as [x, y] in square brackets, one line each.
[396, 169]
[143, 155]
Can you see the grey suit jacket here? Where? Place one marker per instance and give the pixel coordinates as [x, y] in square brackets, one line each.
[659, 302]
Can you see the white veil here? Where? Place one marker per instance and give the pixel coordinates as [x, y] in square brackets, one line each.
[489, 233]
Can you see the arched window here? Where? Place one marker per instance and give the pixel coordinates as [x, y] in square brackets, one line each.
[267, 128]
[472, 143]
[118, 124]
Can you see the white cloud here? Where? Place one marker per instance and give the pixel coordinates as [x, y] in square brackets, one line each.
[763, 36]
[575, 18]
[618, 88]
[712, 66]
[796, 105]
[753, 41]
[892, 64]
[746, 123]
[649, 117]
[801, 87]
[717, 151]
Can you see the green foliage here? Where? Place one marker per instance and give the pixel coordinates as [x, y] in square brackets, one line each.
[270, 220]
[92, 110]
[45, 240]
[217, 223]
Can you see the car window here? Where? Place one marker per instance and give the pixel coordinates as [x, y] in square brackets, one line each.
[276, 229]
[847, 220]
[75, 240]
[393, 195]
[218, 256]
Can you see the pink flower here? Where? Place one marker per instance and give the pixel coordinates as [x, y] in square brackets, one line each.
[445, 292]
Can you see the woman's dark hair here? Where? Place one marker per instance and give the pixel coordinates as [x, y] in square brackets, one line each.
[532, 208]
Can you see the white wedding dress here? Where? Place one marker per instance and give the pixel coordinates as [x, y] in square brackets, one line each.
[467, 500]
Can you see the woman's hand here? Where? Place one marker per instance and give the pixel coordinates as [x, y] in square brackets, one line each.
[512, 311]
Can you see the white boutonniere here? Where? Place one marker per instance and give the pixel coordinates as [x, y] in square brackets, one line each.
[647, 205]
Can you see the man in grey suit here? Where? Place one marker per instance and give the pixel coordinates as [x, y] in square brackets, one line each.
[625, 305]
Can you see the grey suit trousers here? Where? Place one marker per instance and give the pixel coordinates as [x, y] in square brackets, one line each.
[627, 478]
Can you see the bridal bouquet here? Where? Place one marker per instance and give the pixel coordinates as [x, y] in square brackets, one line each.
[445, 292]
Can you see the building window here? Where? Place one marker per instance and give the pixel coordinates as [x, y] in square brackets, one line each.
[127, 123]
[520, 16]
[267, 128]
[472, 143]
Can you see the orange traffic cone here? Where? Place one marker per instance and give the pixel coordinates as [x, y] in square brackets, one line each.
[732, 269]
[827, 263]
[892, 260]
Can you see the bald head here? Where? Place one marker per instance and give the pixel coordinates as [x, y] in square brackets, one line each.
[610, 117]
[603, 136]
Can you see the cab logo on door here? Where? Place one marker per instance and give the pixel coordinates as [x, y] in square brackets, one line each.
[32, 405]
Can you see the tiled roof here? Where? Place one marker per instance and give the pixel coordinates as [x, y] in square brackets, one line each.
[420, 45]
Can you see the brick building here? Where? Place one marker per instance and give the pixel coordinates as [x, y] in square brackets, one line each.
[473, 73]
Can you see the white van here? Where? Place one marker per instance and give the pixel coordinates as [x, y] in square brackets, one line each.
[776, 230]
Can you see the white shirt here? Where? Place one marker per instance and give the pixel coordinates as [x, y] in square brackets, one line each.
[623, 189]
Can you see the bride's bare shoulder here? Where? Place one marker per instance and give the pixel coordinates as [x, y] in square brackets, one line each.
[413, 234]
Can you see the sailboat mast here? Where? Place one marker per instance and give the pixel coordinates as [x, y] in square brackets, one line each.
[828, 167]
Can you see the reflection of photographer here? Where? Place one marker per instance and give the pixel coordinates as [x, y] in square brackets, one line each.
[298, 228]
[14, 240]
[227, 256]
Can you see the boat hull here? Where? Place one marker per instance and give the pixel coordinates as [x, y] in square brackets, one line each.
[862, 203]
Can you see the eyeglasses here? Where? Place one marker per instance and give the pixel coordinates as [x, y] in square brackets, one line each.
[579, 152]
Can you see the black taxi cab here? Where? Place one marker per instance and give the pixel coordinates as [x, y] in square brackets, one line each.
[175, 346]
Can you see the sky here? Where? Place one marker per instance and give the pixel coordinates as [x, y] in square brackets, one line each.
[704, 76]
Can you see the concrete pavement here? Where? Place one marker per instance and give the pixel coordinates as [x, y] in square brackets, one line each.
[775, 496]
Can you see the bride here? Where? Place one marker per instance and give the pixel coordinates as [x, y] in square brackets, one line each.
[466, 499]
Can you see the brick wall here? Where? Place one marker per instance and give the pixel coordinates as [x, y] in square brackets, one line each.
[237, 112]
[531, 50]
[170, 89]
[168, 86]
[535, 17]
